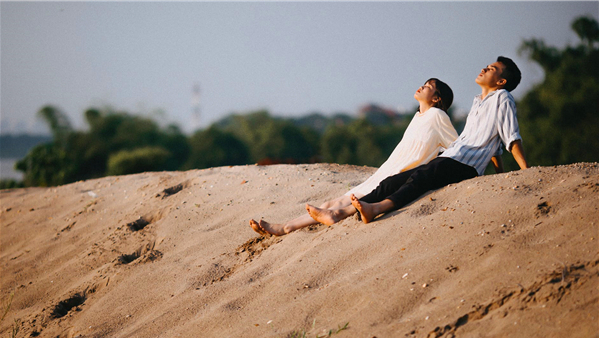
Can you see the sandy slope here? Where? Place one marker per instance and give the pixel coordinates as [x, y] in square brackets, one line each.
[171, 254]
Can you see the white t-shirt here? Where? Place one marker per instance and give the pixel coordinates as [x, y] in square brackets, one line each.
[427, 134]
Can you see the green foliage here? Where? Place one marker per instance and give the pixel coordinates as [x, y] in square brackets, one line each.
[115, 136]
[319, 123]
[10, 184]
[111, 132]
[559, 118]
[273, 139]
[59, 123]
[46, 165]
[360, 143]
[177, 144]
[213, 147]
[137, 160]
[587, 30]
[118, 143]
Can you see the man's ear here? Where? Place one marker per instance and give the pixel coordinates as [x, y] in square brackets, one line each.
[501, 83]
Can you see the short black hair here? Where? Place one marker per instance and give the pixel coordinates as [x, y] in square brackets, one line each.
[444, 92]
[510, 73]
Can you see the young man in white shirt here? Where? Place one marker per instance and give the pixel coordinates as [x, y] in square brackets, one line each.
[491, 122]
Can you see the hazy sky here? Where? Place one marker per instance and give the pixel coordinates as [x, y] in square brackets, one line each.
[289, 58]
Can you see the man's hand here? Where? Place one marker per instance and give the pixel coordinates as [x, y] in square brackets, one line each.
[497, 164]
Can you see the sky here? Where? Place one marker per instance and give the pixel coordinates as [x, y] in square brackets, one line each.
[291, 58]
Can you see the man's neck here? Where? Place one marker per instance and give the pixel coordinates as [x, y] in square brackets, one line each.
[487, 90]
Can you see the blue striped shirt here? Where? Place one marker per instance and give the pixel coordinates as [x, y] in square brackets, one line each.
[491, 122]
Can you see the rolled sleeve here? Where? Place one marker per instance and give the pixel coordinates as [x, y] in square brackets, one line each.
[508, 128]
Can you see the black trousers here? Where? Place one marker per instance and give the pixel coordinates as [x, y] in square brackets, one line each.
[407, 186]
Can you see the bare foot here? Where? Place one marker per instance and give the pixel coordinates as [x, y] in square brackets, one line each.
[324, 216]
[257, 227]
[366, 210]
[273, 229]
[264, 228]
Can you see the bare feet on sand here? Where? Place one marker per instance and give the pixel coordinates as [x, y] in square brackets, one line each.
[324, 216]
[256, 226]
[366, 210]
[264, 228]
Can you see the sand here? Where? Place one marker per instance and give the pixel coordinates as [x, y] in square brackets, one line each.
[171, 254]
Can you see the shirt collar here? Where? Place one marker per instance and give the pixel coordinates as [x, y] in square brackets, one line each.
[479, 96]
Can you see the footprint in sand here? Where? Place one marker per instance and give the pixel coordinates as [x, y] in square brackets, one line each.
[145, 253]
[63, 307]
[172, 190]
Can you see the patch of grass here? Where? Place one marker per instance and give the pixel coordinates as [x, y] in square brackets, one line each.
[304, 334]
[15, 328]
[17, 324]
[7, 307]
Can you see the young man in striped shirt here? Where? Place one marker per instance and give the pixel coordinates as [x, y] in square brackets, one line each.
[491, 122]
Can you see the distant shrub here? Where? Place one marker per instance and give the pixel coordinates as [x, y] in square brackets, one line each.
[10, 184]
[138, 160]
[213, 147]
[46, 165]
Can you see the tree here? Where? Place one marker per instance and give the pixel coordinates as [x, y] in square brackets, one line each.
[49, 163]
[177, 144]
[59, 123]
[137, 160]
[213, 147]
[559, 118]
[361, 143]
[116, 143]
[46, 165]
[273, 139]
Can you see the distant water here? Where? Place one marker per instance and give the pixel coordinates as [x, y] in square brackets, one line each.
[7, 170]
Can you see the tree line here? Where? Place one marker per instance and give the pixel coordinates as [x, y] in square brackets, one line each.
[118, 143]
[559, 120]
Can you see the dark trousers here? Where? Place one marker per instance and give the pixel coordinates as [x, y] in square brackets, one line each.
[407, 186]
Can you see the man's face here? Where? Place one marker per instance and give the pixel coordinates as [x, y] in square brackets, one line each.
[490, 76]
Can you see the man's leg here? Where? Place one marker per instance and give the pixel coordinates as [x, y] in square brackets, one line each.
[388, 186]
[384, 189]
[436, 174]
[368, 211]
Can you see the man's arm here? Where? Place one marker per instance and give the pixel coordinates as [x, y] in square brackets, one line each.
[518, 153]
[497, 163]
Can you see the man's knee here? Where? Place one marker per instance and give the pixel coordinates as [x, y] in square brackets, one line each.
[423, 179]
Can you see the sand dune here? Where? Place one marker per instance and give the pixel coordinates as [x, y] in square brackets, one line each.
[171, 254]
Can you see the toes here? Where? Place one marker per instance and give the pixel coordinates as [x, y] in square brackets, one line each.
[257, 228]
[261, 226]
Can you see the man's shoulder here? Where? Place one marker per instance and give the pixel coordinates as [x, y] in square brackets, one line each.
[504, 95]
